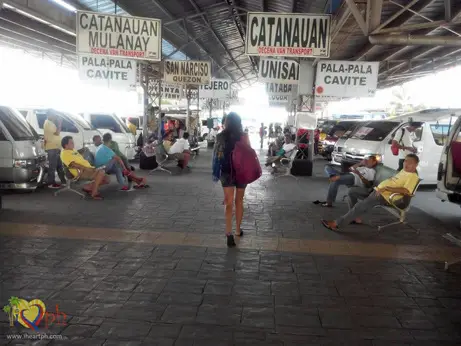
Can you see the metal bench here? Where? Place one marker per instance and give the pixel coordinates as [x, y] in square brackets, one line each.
[70, 182]
[399, 211]
[287, 164]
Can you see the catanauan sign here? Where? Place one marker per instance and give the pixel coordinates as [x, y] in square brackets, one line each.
[217, 89]
[119, 36]
[187, 72]
[346, 78]
[288, 34]
[278, 71]
[107, 71]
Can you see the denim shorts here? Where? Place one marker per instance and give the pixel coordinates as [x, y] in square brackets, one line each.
[228, 181]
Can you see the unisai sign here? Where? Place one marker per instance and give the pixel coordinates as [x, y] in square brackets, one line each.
[278, 71]
[288, 34]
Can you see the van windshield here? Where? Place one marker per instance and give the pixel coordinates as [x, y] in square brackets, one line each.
[106, 122]
[374, 131]
[80, 121]
[16, 125]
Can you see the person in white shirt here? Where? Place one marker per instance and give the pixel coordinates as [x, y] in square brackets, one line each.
[180, 151]
[404, 139]
[361, 175]
[286, 150]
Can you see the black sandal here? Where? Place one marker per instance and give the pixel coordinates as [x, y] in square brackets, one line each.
[240, 234]
[326, 205]
[356, 223]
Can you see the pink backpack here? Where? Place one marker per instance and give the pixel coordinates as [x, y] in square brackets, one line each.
[245, 163]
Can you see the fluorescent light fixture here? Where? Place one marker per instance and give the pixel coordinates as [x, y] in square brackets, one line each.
[65, 5]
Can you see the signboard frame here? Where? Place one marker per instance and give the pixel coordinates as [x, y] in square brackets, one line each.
[322, 88]
[207, 78]
[275, 80]
[158, 45]
[130, 84]
[207, 91]
[285, 51]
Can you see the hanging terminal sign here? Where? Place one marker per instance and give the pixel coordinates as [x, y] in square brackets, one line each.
[346, 78]
[119, 36]
[288, 34]
[278, 71]
[187, 72]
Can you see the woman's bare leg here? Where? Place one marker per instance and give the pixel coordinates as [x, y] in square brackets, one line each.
[229, 203]
[239, 208]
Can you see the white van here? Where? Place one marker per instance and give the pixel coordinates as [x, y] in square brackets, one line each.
[110, 123]
[376, 137]
[448, 177]
[22, 158]
[72, 125]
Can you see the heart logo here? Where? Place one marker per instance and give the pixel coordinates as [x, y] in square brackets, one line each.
[30, 314]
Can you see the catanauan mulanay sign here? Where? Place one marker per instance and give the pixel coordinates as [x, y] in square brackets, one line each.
[119, 36]
[288, 34]
[187, 72]
[346, 78]
[110, 72]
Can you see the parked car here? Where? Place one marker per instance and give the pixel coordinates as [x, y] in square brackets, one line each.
[448, 174]
[72, 125]
[326, 145]
[22, 157]
[337, 154]
[110, 123]
[376, 137]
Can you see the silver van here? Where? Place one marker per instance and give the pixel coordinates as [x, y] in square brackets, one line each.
[22, 157]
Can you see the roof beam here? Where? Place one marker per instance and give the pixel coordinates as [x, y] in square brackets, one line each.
[264, 5]
[357, 15]
[407, 40]
[374, 11]
[207, 22]
[189, 37]
[448, 10]
[400, 18]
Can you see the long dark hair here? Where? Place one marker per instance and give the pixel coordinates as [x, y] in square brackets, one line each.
[234, 128]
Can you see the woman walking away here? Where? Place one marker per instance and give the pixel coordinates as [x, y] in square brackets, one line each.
[224, 171]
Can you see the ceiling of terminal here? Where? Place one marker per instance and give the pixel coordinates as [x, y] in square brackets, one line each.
[409, 37]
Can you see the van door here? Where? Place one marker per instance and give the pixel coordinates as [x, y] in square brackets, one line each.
[68, 128]
[6, 157]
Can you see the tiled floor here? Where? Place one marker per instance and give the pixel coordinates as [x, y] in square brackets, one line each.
[150, 267]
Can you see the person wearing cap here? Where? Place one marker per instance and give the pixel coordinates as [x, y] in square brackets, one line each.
[404, 139]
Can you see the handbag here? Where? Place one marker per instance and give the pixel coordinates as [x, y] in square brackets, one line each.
[395, 147]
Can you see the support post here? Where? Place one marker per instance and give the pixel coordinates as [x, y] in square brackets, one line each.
[159, 116]
[188, 95]
[145, 85]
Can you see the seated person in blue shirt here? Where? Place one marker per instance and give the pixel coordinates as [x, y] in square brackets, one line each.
[105, 156]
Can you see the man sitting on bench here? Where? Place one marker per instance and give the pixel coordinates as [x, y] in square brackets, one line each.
[403, 183]
[286, 150]
[362, 175]
[114, 164]
[180, 151]
[75, 163]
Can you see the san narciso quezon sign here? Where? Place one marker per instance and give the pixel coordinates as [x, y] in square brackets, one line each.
[288, 34]
[187, 72]
[346, 78]
[119, 36]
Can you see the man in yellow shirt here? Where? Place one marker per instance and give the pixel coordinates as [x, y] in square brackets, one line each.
[78, 166]
[51, 131]
[131, 126]
[403, 183]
